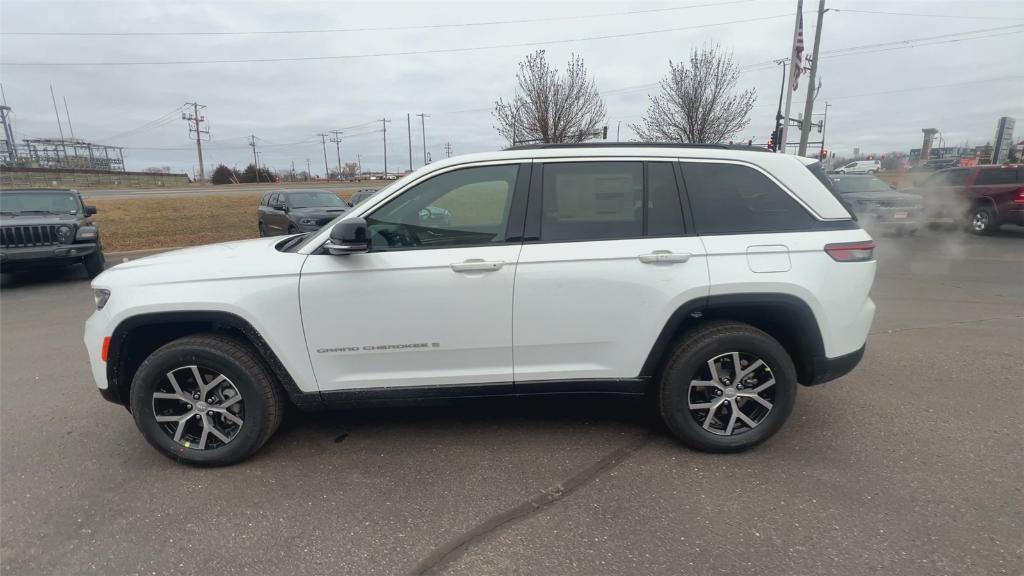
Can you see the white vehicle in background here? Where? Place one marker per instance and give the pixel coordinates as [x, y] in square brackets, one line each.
[716, 278]
[860, 167]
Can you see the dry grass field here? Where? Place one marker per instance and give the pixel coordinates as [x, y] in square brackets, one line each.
[145, 223]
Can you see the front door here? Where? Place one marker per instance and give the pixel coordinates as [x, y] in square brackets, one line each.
[431, 303]
[607, 260]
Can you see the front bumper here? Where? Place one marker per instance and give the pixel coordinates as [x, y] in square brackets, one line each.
[57, 254]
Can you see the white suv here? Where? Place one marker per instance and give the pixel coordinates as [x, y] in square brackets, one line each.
[860, 167]
[715, 278]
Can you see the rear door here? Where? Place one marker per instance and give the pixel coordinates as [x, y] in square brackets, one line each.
[607, 259]
[276, 219]
[1000, 184]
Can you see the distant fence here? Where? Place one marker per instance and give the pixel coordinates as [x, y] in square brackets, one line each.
[84, 179]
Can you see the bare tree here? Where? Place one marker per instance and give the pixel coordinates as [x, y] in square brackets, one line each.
[698, 103]
[548, 107]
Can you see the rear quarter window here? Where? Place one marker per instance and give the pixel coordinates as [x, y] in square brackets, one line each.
[993, 176]
[737, 199]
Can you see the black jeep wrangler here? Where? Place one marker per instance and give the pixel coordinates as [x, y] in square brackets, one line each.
[48, 227]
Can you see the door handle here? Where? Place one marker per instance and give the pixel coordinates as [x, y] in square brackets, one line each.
[664, 257]
[477, 265]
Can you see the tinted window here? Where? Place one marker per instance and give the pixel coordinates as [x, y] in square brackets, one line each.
[263, 200]
[987, 176]
[314, 199]
[664, 212]
[956, 177]
[592, 201]
[460, 208]
[273, 199]
[734, 199]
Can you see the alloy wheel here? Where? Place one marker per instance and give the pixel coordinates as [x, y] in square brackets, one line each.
[198, 408]
[980, 221]
[732, 394]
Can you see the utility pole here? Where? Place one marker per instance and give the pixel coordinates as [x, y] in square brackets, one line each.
[824, 124]
[812, 90]
[323, 143]
[255, 158]
[384, 123]
[293, 171]
[779, 119]
[359, 164]
[408, 126]
[618, 127]
[194, 119]
[794, 65]
[307, 170]
[59, 127]
[337, 146]
[67, 115]
[423, 130]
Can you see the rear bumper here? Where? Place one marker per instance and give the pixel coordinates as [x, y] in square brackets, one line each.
[828, 369]
[57, 254]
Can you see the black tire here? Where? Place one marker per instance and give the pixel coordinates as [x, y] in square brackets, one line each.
[263, 230]
[982, 220]
[691, 355]
[292, 229]
[262, 397]
[95, 263]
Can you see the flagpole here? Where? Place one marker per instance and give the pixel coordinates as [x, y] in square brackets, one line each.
[792, 65]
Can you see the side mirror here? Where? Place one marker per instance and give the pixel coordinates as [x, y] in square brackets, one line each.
[348, 237]
[90, 210]
[280, 206]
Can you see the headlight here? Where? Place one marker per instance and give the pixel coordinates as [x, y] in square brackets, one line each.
[86, 233]
[64, 233]
[101, 295]
[308, 221]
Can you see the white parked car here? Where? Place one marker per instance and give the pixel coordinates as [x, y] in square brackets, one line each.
[860, 167]
[716, 278]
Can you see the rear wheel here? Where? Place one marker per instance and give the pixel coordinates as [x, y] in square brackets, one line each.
[727, 387]
[206, 400]
[95, 263]
[292, 229]
[982, 220]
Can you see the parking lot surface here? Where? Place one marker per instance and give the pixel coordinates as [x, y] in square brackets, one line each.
[912, 464]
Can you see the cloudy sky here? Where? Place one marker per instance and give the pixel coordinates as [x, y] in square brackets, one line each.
[952, 65]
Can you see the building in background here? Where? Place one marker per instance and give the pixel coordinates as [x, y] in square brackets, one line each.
[1003, 141]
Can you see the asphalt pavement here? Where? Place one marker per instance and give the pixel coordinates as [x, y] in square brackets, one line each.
[912, 464]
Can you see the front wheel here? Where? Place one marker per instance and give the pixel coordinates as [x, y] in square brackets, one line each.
[727, 387]
[206, 400]
[95, 263]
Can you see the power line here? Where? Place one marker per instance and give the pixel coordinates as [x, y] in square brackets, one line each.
[380, 28]
[171, 116]
[961, 17]
[403, 53]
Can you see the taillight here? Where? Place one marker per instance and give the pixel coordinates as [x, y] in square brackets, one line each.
[1020, 196]
[106, 348]
[851, 251]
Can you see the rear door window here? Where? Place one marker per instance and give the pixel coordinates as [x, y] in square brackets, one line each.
[592, 201]
[664, 210]
[994, 176]
[737, 199]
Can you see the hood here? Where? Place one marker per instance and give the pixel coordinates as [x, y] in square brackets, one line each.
[38, 219]
[257, 258]
[319, 211]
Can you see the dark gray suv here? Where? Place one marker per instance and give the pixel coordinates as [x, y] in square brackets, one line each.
[294, 211]
[48, 227]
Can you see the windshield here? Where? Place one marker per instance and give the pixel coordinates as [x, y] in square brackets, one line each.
[314, 199]
[854, 185]
[40, 202]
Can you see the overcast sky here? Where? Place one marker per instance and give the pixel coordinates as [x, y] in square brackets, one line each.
[959, 87]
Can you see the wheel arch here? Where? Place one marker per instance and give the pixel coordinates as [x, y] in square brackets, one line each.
[136, 337]
[787, 318]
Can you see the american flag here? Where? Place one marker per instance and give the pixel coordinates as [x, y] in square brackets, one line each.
[798, 53]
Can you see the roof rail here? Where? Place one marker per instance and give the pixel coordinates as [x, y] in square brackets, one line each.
[636, 145]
